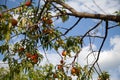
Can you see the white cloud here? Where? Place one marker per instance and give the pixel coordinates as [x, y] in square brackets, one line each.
[52, 57]
[3, 64]
[113, 55]
[108, 61]
[108, 6]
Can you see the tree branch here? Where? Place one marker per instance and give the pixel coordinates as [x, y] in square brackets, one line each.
[91, 30]
[115, 18]
[106, 33]
[72, 26]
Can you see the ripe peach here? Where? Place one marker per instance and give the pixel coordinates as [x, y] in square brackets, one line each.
[64, 53]
[33, 57]
[14, 22]
[36, 55]
[21, 49]
[28, 3]
[73, 70]
[49, 21]
[44, 18]
[35, 61]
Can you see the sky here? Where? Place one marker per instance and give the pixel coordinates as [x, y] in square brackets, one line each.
[110, 56]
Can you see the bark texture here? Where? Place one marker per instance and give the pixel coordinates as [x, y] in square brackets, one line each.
[115, 18]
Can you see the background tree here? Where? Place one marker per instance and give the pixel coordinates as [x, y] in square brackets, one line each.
[36, 30]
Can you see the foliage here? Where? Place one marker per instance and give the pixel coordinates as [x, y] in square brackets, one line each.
[104, 76]
[22, 39]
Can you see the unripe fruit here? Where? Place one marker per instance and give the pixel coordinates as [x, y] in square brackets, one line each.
[14, 22]
[60, 42]
[64, 53]
[28, 3]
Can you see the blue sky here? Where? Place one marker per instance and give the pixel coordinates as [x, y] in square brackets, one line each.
[108, 59]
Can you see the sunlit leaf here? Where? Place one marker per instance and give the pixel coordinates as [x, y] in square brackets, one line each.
[7, 38]
[64, 18]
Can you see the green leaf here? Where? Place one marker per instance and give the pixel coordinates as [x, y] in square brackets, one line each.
[3, 6]
[7, 38]
[0, 8]
[5, 58]
[64, 18]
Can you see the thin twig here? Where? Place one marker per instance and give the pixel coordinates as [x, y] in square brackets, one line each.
[39, 16]
[98, 6]
[96, 71]
[75, 57]
[57, 8]
[106, 33]
[89, 8]
[64, 33]
[90, 30]
[46, 55]
[72, 26]
[101, 37]
[11, 9]
[94, 54]
[59, 54]
[113, 26]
